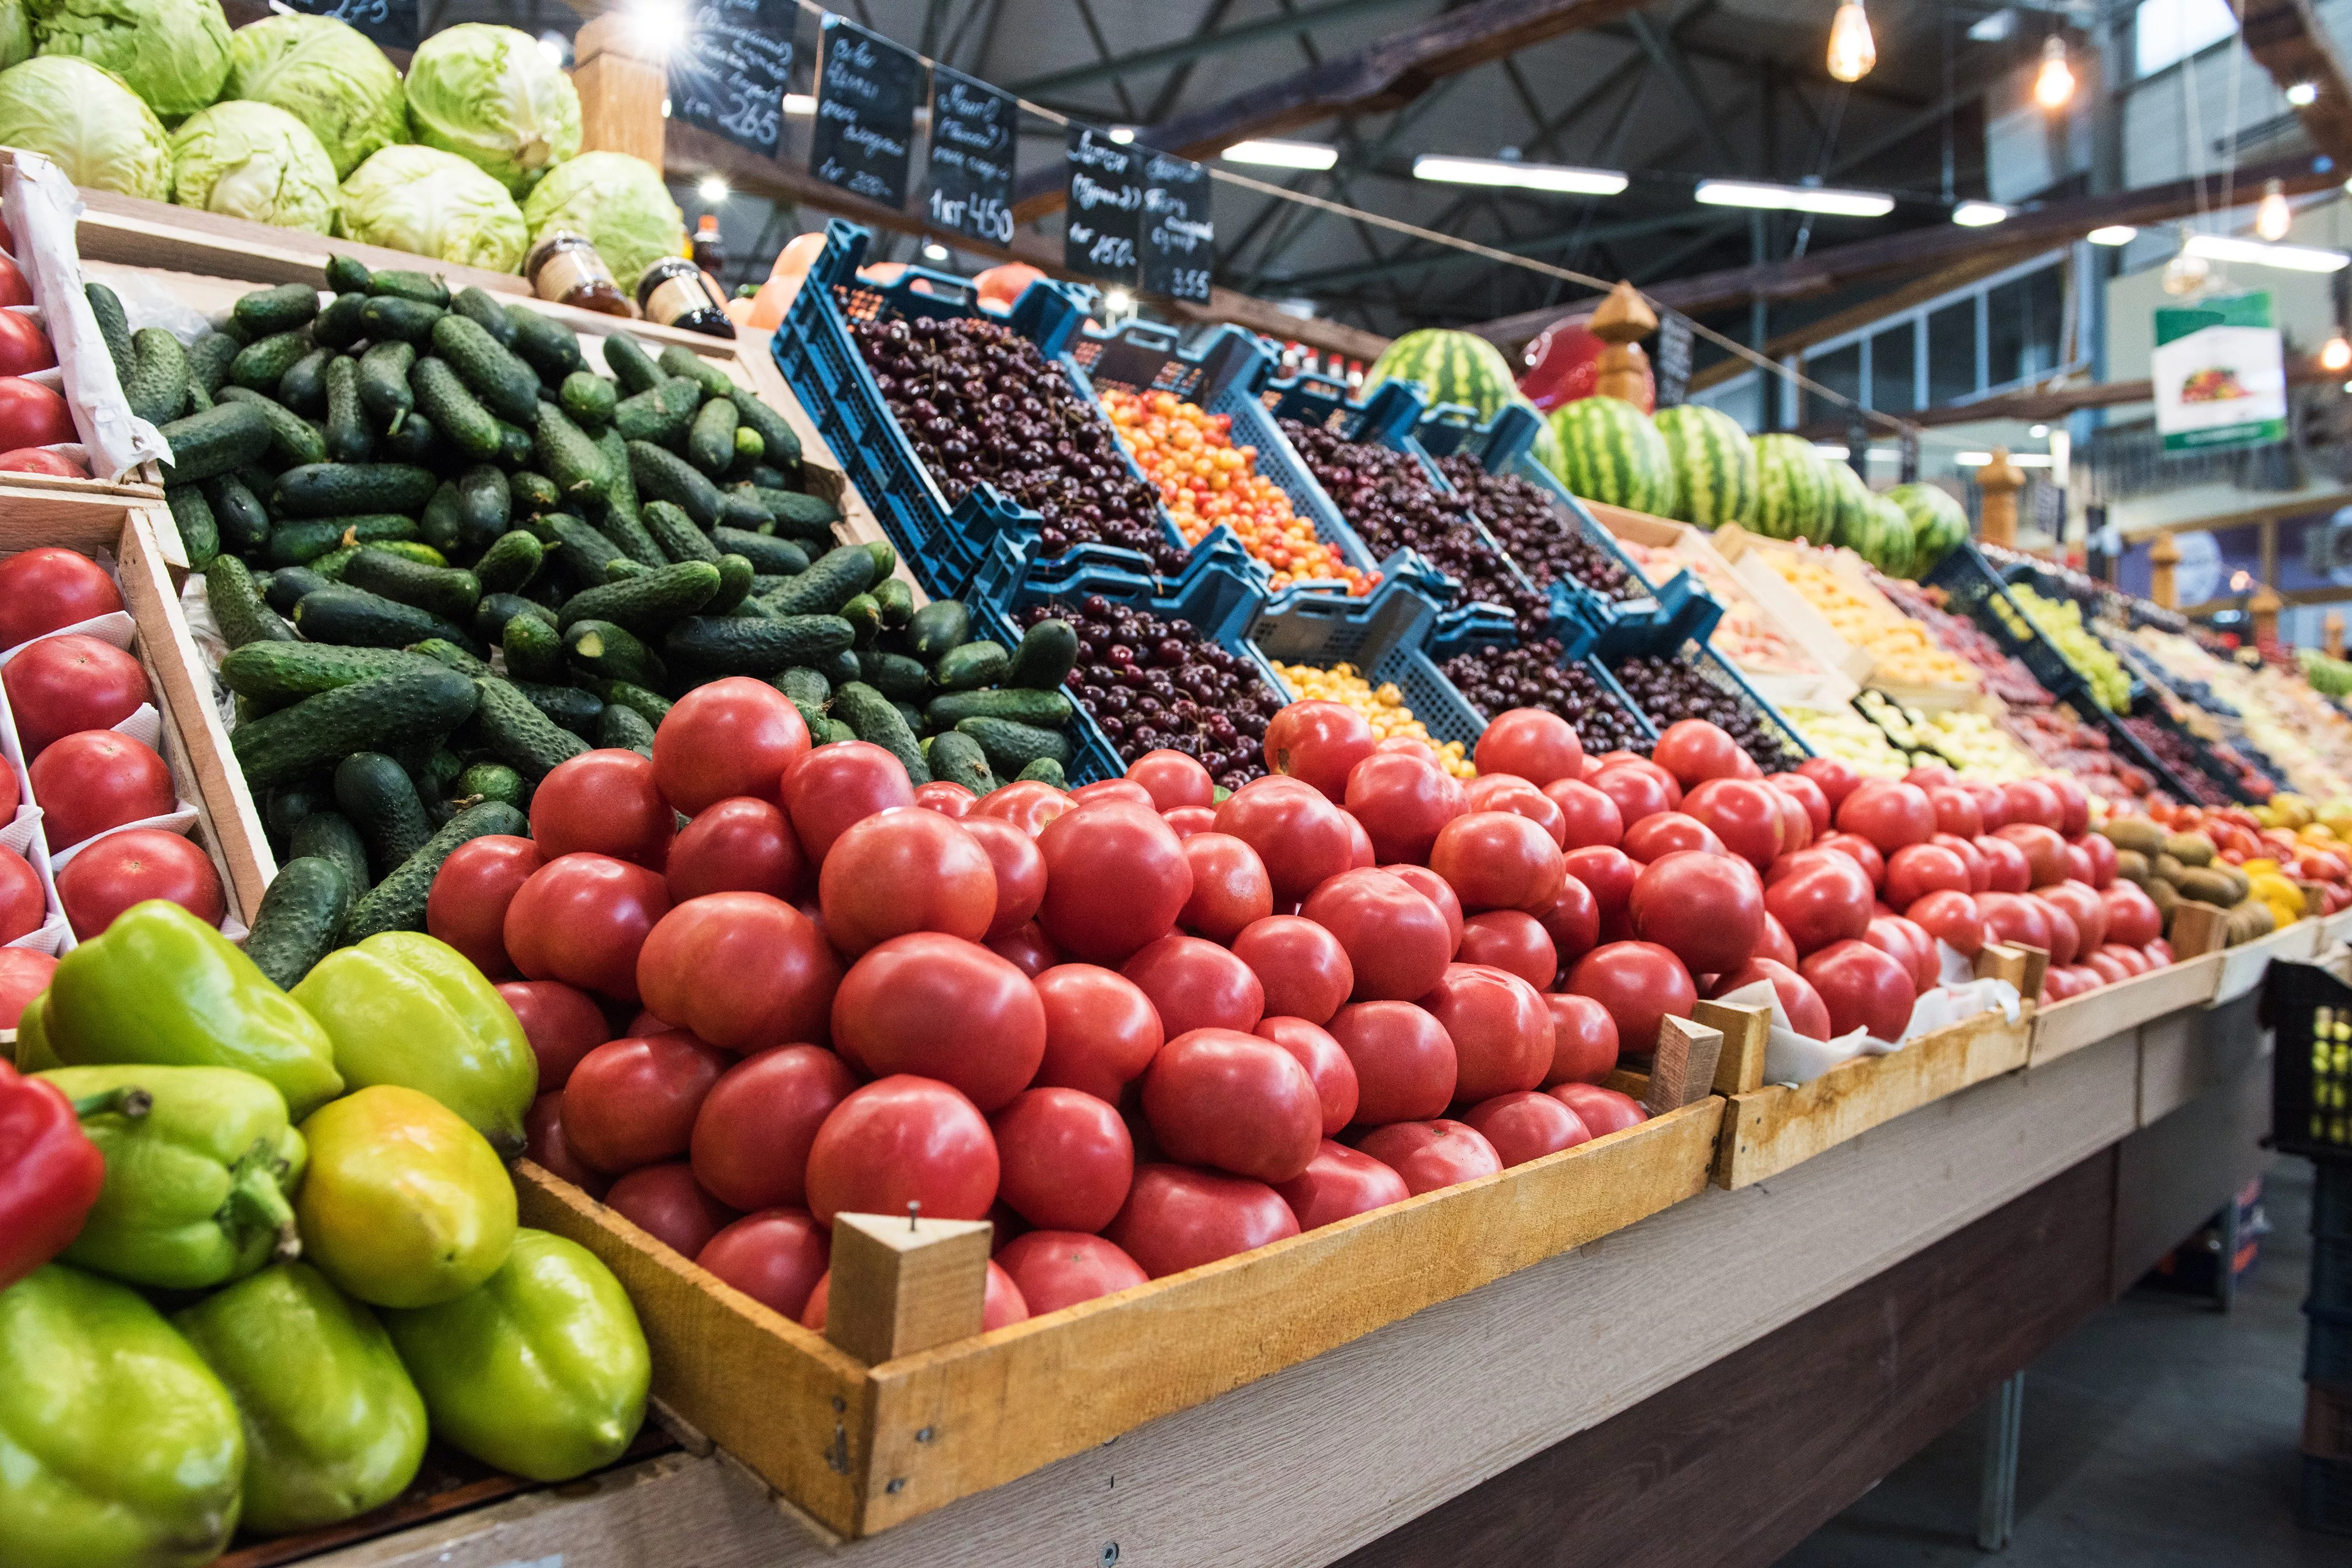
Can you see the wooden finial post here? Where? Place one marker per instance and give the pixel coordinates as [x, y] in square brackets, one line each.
[622, 83]
[1747, 1031]
[2264, 608]
[2164, 562]
[1683, 1072]
[2000, 479]
[1624, 319]
[902, 1284]
[2331, 634]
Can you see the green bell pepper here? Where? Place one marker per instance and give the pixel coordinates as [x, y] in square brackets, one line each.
[159, 985]
[196, 1190]
[542, 1372]
[405, 1205]
[403, 1008]
[119, 1448]
[333, 1427]
[33, 1053]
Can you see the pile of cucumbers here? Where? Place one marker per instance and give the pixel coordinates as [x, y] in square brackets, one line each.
[446, 555]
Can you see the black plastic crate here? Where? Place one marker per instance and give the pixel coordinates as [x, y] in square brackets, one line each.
[2331, 1272]
[2327, 1346]
[2326, 1503]
[2331, 1201]
[2311, 1071]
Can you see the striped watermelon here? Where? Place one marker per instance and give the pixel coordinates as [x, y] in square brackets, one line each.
[1792, 490]
[1611, 452]
[1851, 520]
[1715, 468]
[1545, 448]
[1938, 523]
[1890, 537]
[1456, 367]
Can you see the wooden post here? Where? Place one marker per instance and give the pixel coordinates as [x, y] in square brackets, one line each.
[902, 1285]
[2020, 965]
[621, 81]
[1683, 1071]
[2198, 929]
[2164, 564]
[1624, 319]
[1999, 481]
[1746, 1033]
[2331, 632]
[2264, 608]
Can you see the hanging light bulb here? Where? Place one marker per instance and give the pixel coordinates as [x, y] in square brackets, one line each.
[1853, 51]
[2273, 215]
[2055, 83]
[2337, 356]
[2185, 273]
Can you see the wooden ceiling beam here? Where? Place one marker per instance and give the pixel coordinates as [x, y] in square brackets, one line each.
[2290, 43]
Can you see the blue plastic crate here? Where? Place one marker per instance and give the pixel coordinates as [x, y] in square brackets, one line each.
[1686, 618]
[1386, 637]
[1475, 627]
[1505, 445]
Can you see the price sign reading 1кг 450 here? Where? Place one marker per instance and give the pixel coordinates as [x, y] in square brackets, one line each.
[1179, 239]
[866, 93]
[1105, 224]
[973, 127]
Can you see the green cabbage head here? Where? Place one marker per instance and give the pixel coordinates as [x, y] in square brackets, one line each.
[617, 202]
[88, 121]
[15, 34]
[254, 161]
[492, 96]
[174, 53]
[434, 204]
[327, 75]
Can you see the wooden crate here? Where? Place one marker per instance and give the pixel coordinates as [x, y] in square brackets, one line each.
[2067, 1027]
[145, 546]
[2243, 966]
[860, 1449]
[1752, 556]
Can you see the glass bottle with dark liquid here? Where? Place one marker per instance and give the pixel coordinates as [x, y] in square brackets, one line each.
[565, 267]
[675, 292]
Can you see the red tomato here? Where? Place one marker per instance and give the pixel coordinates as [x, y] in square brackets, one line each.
[1834, 777]
[1065, 1159]
[1979, 869]
[1747, 817]
[1125, 790]
[1504, 792]
[1432, 1154]
[12, 790]
[1695, 751]
[1863, 988]
[33, 416]
[1019, 870]
[604, 802]
[664, 1202]
[2101, 853]
[1436, 890]
[1028, 805]
[1340, 1182]
[1101, 1031]
[827, 789]
[1992, 806]
[1531, 743]
[23, 905]
[23, 975]
[1302, 837]
[468, 906]
[41, 460]
[1572, 926]
[1859, 850]
[1637, 790]
[1705, 910]
[1318, 743]
[1359, 843]
[132, 866]
[2132, 918]
[1664, 833]
[1803, 789]
[906, 870]
[750, 1139]
[741, 969]
[2014, 918]
[1301, 967]
[1583, 1040]
[95, 779]
[1609, 875]
[1116, 879]
[1955, 811]
[2110, 968]
[62, 684]
[1326, 1063]
[2134, 962]
[1889, 814]
[1234, 1103]
[2007, 871]
[1402, 799]
[2159, 951]
[1775, 943]
[1930, 775]
[2065, 936]
[1800, 1003]
[1058, 1268]
[2085, 907]
[1497, 860]
[1826, 902]
[1917, 869]
[1517, 943]
[2043, 848]
[1396, 941]
[13, 290]
[1230, 888]
[902, 1140]
[2073, 803]
[1950, 917]
[951, 801]
[1196, 984]
[1178, 1218]
[1524, 1126]
[1640, 984]
[941, 1007]
[1173, 780]
[545, 1146]
[2033, 801]
[563, 1024]
[2078, 863]
[738, 846]
[1187, 820]
[1405, 1068]
[1586, 815]
[733, 737]
[1602, 1110]
[632, 1101]
[775, 1257]
[1500, 1028]
[23, 347]
[1909, 944]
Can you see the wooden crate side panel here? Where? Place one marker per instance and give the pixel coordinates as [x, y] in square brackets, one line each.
[1765, 1133]
[776, 1395]
[2243, 966]
[961, 1419]
[2112, 1010]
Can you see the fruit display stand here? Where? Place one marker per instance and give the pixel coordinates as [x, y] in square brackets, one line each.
[2065, 1027]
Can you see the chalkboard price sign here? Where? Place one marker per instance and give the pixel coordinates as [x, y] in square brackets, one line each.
[388, 23]
[1179, 239]
[865, 92]
[728, 74]
[972, 131]
[1105, 226]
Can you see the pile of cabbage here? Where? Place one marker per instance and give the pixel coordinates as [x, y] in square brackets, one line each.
[302, 122]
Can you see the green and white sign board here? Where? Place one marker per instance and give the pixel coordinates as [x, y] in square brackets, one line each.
[2219, 373]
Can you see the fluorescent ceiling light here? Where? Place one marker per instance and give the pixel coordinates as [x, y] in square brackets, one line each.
[1828, 450]
[2113, 234]
[1884, 455]
[799, 104]
[2037, 431]
[1980, 215]
[1122, 134]
[1795, 198]
[2254, 253]
[713, 189]
[1510, 172]
[1282, 154]
[2022, 459]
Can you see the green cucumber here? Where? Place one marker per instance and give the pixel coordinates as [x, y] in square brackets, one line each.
[283, 589]
[1013, 746]
[448, 592]
[330, 836]
[973, 665]
[307, 543]
[567, 707]
[383, 383]
[266, 312]
[938, 630]
[837, 668]
[450, 655]
[864, 614]
[805, 687]
[340, 489]
[512, 560]
[739, 507]
[482, 307]
[534, 493]
[506, 386]
[303, 387]
[353, 617]
[870, 714]
[1044, 709]
[293, 438]
[381, 800]
[567, 455]
[795, 515]
[630, 364]
[348, 274]
[677, 360]
[582, 548]
[456, 412]
[711, 439]
[767, 555]
[516, 448]
[305, 906]
[645, 601]
[193, 516]
[735, 576]
[219, 441]
[341, 323]
[1044, 770]
[490, 781]
[486, 505]
[440, 525]
[397, 903]
[288, 671]
[662, 475]
[534, 650]
[603, 651]
[259, 364]
[114, 327]
[238, 609]
[546, 345]
[409, 704]
[415, 442]
[898, 602]
[209, 358]
[894, 675]
[622, 727]
[348, 437]
[779, 446]
[676, 534]
[659, 414]
[157, 387]
[958, 759]
[1044, 657]
[491, 615]
[424, 288]
[735, 644]
[650, 706]
[748, 450]
[388, 318]
[831, 581]
[589, 398]
[515, 732]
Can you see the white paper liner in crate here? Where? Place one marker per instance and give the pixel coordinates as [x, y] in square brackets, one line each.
[1791, 1058]
[23, 835]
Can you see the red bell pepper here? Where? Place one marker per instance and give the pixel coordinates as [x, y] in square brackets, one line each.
[50, 1173]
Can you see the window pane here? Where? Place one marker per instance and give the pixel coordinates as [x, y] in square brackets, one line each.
[1952, 351]
[2024, 318]
[1839, 370]
[2167, 31]
[1893, 361]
